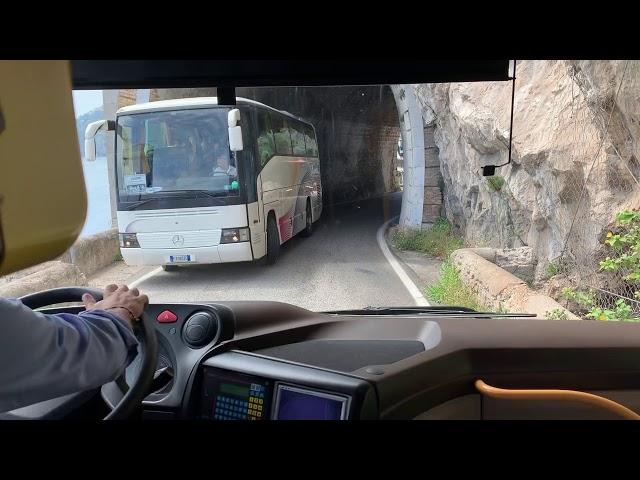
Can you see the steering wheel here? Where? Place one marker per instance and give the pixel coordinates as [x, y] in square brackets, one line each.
[136, 393]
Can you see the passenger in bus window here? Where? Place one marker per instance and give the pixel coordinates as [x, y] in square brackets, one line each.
[211, 152]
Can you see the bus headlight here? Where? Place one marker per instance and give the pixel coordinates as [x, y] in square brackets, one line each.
[128, 240]
[234, 235]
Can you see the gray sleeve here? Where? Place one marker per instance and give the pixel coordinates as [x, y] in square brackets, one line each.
[47, 356]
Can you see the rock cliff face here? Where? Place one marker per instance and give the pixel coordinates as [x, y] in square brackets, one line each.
[574, 159]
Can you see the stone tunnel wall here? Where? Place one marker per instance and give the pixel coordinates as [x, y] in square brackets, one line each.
[357, 129]
[432, 208]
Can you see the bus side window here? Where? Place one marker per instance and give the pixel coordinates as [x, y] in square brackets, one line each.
[266, 145]
[310, 140]
[297, 138]
[126, 150]
[282, 135]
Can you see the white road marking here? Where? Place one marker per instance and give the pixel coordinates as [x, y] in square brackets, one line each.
[414, 291]
[146, 276]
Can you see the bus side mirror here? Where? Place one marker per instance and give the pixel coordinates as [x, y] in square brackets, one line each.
[90, 136]
[235, 131]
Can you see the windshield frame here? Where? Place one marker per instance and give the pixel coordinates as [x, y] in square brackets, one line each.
[183, 198]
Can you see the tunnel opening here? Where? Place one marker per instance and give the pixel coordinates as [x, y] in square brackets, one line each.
[358, 131]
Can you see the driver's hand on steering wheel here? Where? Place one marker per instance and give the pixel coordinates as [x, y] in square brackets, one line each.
[126, 303]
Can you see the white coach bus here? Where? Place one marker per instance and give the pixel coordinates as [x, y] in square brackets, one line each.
[201, 183]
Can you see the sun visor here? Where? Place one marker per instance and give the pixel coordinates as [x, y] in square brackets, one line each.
[106, 74]
[43, 202]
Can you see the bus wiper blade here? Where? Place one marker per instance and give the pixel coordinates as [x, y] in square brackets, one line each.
[178, 193]
[436, 309]
[199, 192]
[133, 206]
[430, 310]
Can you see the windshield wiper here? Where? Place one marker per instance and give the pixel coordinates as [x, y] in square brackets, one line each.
[133, 206]
[435, 310]
[180, 193]
[195, 193]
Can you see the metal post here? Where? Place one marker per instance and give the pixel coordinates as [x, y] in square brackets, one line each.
[226, 95]
[110, 105]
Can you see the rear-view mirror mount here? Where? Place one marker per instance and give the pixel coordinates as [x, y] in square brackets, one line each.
[90, 136]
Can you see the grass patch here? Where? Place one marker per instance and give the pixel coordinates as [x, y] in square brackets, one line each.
[496, 182]
[438, 241]
[450, 290]
[118, 258]
[556, 314]
[555, 268]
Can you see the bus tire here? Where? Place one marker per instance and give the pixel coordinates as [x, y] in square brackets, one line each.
[273, 241]
[308, 229]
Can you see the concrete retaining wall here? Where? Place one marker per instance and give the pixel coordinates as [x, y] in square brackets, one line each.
[95, 252]
[84, 258]
[496, 287]
[50, 275]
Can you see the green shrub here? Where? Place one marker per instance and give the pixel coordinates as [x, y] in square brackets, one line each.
[625, 247]
[582, 298]
[449, 290]
[556, 314]
[559, 266]
[621, 310]
[624, 260]
[496, 182]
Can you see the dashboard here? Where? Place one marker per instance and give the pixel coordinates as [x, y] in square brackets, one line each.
[257, 361]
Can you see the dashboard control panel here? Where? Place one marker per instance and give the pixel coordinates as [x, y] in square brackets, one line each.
[231, 395]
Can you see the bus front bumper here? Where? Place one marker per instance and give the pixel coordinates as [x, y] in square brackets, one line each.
[224, 253]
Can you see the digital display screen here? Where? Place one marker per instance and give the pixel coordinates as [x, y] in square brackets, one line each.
[230, 396]
[238, 390]
[301, 404]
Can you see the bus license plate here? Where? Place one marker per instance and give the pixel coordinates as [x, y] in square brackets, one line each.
[181, 258]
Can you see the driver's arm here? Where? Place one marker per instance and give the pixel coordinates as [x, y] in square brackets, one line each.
[44, 356]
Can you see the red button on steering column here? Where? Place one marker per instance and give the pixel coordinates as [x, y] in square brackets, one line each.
[167, 317]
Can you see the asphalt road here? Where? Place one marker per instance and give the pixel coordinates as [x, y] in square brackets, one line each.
[340, 266]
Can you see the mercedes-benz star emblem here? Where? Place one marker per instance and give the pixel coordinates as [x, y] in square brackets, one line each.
[178, 240]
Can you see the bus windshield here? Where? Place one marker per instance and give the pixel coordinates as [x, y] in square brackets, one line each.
[175, 152]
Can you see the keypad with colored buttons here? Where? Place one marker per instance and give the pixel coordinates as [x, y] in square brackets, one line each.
[256, 402]
[234, 396]
[229, 408]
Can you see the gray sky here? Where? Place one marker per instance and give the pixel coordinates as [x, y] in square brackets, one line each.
[86, 100]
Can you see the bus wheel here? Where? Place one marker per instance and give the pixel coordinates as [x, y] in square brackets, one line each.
[308, 229]
[169, 268]
[273, 241]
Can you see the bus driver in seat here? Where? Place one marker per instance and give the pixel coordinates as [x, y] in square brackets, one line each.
[224, 168]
